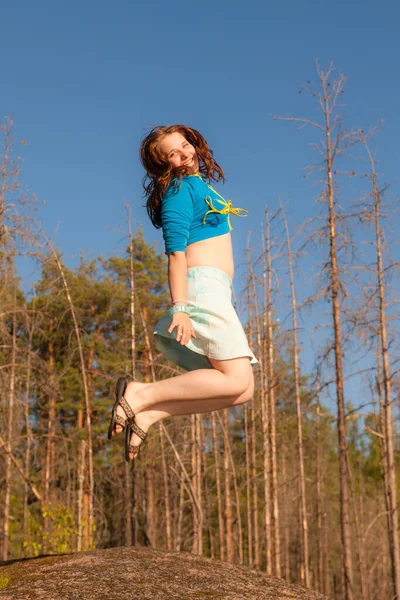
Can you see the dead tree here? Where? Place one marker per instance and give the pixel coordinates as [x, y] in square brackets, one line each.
[248, 488]
[264, 412]
[219, 488]
[230, 548]
[270, 369]
[253, 459]
[197, 546]
[336, 140]
[131, 519]
[225, 431]
[319, 499]
[387, 420]
[305, 574]
[10, 425]
[31, 327]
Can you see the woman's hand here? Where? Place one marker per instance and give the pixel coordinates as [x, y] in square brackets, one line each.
[182, 322]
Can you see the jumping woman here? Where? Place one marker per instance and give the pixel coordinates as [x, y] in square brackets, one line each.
[201, 332]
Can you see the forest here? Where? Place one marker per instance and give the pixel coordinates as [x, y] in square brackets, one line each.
[302, 481]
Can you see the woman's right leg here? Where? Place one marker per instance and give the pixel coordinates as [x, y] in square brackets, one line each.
[182, 407]
[194, 392]
[147, 418]
[228, 378]
[192, 389]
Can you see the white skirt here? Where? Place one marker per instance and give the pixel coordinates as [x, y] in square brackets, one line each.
[219, 332]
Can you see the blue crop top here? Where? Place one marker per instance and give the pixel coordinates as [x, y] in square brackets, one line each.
[194, 211]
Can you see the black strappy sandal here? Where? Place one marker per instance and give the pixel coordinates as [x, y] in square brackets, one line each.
[129, 423]
[133, 427]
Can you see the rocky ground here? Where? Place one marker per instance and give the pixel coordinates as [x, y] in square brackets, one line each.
[140, 574]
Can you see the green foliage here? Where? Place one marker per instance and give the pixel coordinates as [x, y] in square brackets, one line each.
[55, 531]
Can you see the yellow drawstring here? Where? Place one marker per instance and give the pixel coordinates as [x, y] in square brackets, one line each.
[227, 210]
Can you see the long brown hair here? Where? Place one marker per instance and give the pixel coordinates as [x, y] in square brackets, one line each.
[159, 172]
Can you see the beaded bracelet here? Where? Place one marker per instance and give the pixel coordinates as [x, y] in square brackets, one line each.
[178, 308]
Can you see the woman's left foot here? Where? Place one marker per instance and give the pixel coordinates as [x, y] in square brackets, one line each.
[136, 436]
[136, 424]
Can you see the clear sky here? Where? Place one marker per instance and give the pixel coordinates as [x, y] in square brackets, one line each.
[84, 81]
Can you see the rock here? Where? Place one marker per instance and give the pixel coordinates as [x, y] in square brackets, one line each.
[140, 574]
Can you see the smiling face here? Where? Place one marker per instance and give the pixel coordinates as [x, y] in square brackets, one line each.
[179, 152]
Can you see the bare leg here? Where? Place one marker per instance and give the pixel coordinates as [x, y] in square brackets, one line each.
[228, 378]
[197, 391]
[185, 407]
[157, 412]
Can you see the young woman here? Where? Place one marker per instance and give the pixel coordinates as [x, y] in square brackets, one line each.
[201, 332]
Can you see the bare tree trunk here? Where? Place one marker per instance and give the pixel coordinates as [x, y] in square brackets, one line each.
[383, 445]
[363, 558]
[150, 502]
[219, 489]
[387, 412]
[26, 526]
[327, 574]
[320, 542]
[286, 535]
[335, 291]
[253, 458]
[132, 296]
[360, 545]
[189, 487]
[207, 498]
[327, 101]
[236, 488]
[195, 514]
[331, 148]
[272, 404]
[131, 518]
[248, 488]
[255, 487]
[50, 447]
[265, 418]
[305, 579]
[150, 507]
[51, 428]
[81, 478]
[87, 493]
[199, 451]
[230, 549]
[166, 491]
[178, 539]
[10, 427]
[128, 529]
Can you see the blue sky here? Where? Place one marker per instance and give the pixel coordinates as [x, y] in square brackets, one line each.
[84, 81]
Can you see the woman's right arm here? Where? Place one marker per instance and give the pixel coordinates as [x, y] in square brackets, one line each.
[177, 215]
[177, 270]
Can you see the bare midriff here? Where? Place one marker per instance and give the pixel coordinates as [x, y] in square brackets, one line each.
[212, 252]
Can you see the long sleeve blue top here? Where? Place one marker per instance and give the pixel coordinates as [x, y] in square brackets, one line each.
[193, 211]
